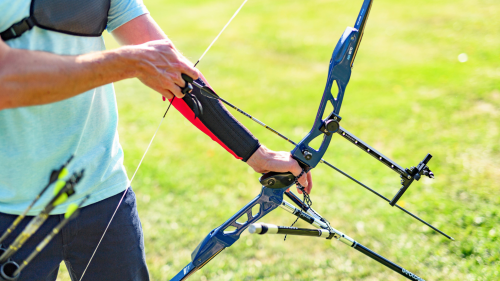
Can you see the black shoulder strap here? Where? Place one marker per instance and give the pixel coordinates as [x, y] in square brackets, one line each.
[17, 29]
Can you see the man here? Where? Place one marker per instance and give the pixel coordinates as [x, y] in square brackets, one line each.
[56, 100]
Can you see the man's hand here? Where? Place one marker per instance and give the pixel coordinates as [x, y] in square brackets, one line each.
[159, 66]
[159, 63]
[265, 160]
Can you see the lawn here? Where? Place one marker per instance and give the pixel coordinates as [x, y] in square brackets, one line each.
[409, 95]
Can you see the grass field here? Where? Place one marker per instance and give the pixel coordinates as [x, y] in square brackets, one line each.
[409, 95]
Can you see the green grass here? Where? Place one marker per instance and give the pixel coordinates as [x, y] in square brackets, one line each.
[408, 96]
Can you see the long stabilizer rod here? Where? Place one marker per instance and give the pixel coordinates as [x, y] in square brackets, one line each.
[264, 228]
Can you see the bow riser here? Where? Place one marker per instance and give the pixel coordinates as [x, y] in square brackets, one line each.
[339, 73]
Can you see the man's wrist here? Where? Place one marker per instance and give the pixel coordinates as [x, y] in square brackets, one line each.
[259, 158]
[127, 60]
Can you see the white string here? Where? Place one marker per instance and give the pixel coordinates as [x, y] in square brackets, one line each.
[133, 176]
[123, 196]
[234, 15]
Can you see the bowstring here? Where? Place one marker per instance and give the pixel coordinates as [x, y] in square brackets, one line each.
[125, 192]
[144, 155]
[218, 35]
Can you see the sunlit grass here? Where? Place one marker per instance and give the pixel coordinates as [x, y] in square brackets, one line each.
[409, 95]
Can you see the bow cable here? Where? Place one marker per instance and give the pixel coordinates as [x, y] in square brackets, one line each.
[145, 152]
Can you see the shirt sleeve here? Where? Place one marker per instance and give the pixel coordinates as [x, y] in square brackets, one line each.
[122, 11]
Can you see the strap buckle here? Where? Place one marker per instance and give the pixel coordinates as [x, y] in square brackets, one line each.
[17, 29]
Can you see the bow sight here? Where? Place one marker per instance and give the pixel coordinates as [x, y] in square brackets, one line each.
[407, 175]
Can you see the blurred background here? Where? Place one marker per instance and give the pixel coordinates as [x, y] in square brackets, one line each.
[426, 80]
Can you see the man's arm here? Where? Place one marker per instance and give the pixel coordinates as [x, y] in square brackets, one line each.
[143, 29]
[34, 78]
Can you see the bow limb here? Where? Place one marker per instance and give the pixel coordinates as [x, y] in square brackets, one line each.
[220, 238]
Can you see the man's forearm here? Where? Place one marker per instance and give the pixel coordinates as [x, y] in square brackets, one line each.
[34, 78]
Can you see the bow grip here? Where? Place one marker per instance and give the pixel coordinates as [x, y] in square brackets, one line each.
[277, 180]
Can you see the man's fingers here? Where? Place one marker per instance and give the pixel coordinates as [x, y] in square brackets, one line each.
[184, 69]
[303, 180]
[167, 95]
[164, 66]
[189, 70]
[306, 181]
[309, 183]
[174, 89]
[187, 67]
[177, 79]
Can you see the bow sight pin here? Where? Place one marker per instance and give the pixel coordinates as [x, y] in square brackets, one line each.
[54, 176]
[62, 190]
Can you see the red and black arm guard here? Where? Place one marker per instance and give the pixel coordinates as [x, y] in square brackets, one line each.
[219, 124]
